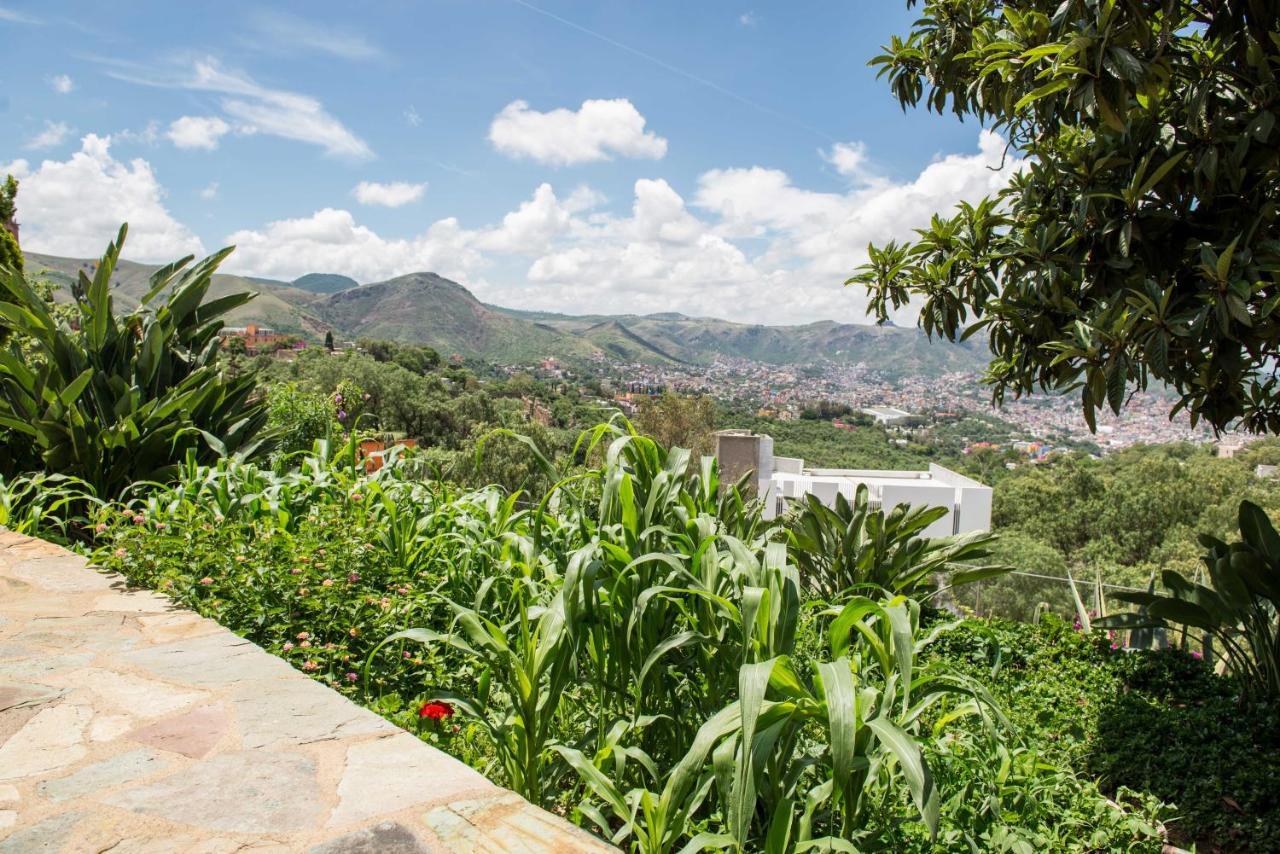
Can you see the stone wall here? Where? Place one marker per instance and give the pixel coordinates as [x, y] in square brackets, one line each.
[128, 723]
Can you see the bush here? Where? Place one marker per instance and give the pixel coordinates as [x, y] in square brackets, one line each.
[1159, 723]
[114, 400]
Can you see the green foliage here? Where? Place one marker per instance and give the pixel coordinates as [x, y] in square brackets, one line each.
[679, 421]
[113, 400]
[299, 418]
[1240, 611]
[636, 648]
[1160, 723]
[1138, 243]
[852, 548]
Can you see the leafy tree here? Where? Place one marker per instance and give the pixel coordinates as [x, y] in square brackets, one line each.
[118, 399]
[677, 421]
[1138, 243]
[299, 417]
[328, 340]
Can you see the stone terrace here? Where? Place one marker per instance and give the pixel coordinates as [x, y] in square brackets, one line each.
[130, 724]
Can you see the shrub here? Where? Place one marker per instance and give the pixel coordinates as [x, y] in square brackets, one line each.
[117, 399]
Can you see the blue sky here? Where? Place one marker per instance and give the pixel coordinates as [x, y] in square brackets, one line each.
[709, 157]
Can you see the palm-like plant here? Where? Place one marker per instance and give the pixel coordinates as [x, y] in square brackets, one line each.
[852, 547]
[117, 399]
[1240, 613]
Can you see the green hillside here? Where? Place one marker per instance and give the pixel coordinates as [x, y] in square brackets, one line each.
[324, 283]
[424, 308]
[278, 304]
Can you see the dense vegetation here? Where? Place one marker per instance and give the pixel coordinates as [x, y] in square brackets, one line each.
[1139, 242]
[617, 656]
[594, 620]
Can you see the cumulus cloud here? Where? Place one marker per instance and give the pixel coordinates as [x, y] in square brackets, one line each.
[210, 192]
[747, 244]
[748, 19]
[598, 130]
[202, 132]
[62, 84]
[74, 207]
[54, 133]
[392, 195]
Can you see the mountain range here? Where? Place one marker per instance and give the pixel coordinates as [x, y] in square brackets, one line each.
[425, 308]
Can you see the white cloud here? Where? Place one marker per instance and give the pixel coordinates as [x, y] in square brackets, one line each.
[598, 130]
[332, 241]
[202, 132]
[391, 195]
[279, 32]
[15, 17]
[754, 247]
[748, 244]
[149, 135]
[411, 116]
[74, 207]
[210, 192]
[54, 133]
[62, 84]
[850, 160]
[748, 19]
[249, 107]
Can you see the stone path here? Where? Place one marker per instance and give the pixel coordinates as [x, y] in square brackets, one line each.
[129, 724]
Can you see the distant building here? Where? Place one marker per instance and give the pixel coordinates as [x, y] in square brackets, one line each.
[257, 339]
[782, 479]
[1264, 471]
[891, 416]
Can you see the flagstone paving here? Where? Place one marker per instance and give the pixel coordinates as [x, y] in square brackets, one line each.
[132, 725]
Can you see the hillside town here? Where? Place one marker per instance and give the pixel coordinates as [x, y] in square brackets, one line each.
[783, 392]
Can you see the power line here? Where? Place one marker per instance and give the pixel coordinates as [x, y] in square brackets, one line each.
[688, 75]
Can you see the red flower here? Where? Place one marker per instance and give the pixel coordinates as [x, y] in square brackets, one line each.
[437, 710]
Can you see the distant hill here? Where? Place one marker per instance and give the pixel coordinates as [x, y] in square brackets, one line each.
[324, 283]
[279, 304]
[425, 308]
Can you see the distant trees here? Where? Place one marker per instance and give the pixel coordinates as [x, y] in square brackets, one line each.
[1139, 243]
[10, 253]
[679, 421]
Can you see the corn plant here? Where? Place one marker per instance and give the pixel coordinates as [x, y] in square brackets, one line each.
[806, 754]
[113, 399]
[45, 505]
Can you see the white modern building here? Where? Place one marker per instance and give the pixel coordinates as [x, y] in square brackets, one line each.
[891, 416]
[783, 479]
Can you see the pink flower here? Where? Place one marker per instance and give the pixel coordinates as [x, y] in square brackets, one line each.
[351, 677]
[328, 582]
[138, 520]
[119, 553]
[295, 571]
[1197, 654]
[353, 577]
[288, 645]
[310, 666]
[206, 581]
[100, 527]
[303, 635]
[160, 526]
[305, 644]
[355, 496]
